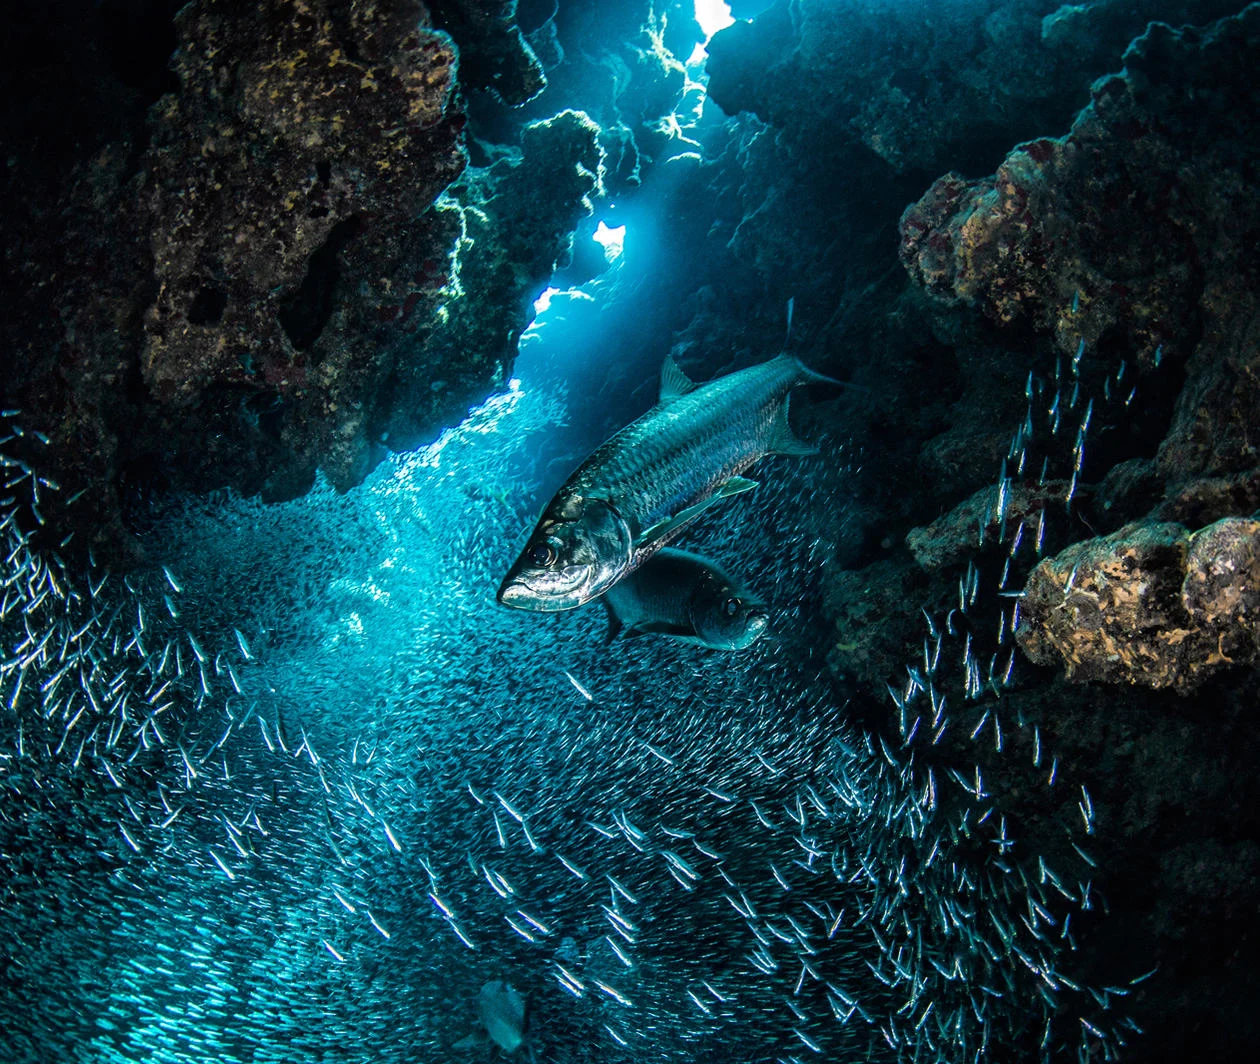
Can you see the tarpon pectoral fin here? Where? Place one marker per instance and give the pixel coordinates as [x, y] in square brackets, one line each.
[734, 486]
[472, 1041]
[783, 440]
[662, 528]
[697, 641]
[674, 382]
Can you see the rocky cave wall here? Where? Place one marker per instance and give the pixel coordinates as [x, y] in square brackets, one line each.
[985, 211]
[250, 242]
[1075, 188]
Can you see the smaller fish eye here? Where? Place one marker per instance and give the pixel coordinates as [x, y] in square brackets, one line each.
[732, 606]
[542, 555]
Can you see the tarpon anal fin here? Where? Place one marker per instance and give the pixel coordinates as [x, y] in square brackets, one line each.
[783, 440]
[674, 382]
[614, 623]
[734, 486]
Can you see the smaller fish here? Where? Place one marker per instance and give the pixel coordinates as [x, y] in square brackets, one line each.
[503, 1019]
[687, 597]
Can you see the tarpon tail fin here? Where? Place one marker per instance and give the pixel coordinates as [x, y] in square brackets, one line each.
[783, 440]
[674, 382]
[805, 375]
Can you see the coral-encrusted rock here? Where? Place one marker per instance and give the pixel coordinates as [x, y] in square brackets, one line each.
[494, 55]
[1125, 227]
[872, 625]
[268, 284]
[285, 180]
[189, 310]
[1202, 501]
[1152, 604]
[954, 536]
[1213, 432]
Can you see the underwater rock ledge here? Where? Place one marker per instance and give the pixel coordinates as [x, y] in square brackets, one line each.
[1153, 605]
[1132, 232]
[926, 93]
[259, 276]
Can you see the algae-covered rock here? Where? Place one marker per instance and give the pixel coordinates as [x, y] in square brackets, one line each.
[256, 279]
[1152, 604]
[494, 54]
[1124, 228]
[283, 184]
[515, 223]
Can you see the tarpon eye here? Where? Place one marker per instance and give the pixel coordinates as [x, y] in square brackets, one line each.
[731, 607]
[542, 556]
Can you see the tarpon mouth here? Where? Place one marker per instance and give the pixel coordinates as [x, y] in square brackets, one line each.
[518, 593]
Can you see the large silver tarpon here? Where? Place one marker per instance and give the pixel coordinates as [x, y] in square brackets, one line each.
[655, 476]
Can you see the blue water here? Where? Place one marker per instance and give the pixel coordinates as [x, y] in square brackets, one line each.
[322, 788]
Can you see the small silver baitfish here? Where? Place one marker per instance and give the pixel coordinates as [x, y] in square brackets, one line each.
[655, 476]
[685, 596]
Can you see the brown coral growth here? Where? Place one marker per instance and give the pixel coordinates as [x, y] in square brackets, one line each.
[1153, 605]
[1118, 229]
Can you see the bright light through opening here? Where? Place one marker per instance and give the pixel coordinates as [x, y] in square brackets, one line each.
[613, 239]
[713, 15]
[544, 300]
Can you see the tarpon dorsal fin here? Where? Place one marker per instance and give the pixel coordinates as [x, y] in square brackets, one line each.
[783, 440]
[674, 382]
[668, 525]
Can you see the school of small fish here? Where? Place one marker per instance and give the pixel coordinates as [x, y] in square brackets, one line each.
[301, 790]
